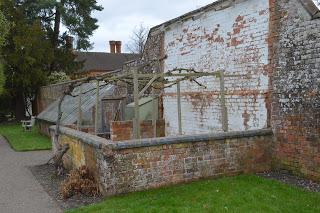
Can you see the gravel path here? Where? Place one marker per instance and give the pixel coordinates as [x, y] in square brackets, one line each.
[288, 178]
[46, 176]
[19, 190]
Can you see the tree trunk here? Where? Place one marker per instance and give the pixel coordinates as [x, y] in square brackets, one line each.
[56, 30]
[19, 107]
[35, 107]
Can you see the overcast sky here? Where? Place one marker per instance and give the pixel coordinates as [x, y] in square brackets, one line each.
[120, 17]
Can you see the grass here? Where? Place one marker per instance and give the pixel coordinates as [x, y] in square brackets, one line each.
[245, 193]
[24, 141]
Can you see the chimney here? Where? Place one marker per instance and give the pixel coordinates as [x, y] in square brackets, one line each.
[69, 42]
[112, 46]
[118, 46]
[115, 46]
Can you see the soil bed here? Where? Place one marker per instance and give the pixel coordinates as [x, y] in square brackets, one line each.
[46, 176]
[288, 178]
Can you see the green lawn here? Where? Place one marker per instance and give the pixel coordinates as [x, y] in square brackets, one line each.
[24, 141]
[243, 193]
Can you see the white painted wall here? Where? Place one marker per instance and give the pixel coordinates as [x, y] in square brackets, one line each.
[214, 42]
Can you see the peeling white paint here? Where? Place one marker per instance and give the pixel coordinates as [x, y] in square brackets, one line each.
[234, 40]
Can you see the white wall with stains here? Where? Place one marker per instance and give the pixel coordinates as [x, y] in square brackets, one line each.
[234, 39]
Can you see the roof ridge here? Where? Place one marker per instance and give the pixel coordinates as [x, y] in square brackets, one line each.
[108, 53]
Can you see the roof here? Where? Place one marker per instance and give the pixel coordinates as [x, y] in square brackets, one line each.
[311, 5]
[70, 103]
[100, 61]
[218, 5]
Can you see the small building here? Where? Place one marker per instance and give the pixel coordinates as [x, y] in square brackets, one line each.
[81, 107]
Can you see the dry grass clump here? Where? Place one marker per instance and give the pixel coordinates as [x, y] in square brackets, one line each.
[79, 181]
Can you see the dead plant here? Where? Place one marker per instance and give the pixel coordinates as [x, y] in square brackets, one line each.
[79, 181]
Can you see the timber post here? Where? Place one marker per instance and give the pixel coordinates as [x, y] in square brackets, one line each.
[224, 110]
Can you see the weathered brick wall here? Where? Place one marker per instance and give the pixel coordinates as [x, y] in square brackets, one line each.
[49, 94]
[84, 149]
[123, 130]
[154, 50]
[150, 163]
[231, 37]
[44, 127]
[296, 88]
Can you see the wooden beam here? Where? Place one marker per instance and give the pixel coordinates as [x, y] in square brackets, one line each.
[179, 107]
[198, 74]
[224, 110]
[114, 98]
[154, 115]
[148, 85]
[96, 124]
[79, 121]
[136, 122]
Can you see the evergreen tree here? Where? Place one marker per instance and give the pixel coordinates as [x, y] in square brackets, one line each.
[4, 29]
[36, 45]
[28, 56]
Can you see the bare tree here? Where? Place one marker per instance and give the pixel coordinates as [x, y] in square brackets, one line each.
[138, 39]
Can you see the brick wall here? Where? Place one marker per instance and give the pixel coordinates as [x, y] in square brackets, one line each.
[44, 127]
[233, 36]
[123, 130]
[80, 153]
[296, 87]
[49, 94]
[127, 166]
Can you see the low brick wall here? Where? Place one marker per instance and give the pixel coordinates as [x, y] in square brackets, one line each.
[123, 130]
[137, 165]
[44, 127]
[49, 94]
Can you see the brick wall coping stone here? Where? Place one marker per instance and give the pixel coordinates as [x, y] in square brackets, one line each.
[190, 138]
[87, 138]
[99, 142]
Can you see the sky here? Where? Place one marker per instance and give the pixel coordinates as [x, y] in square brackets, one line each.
[120, 17]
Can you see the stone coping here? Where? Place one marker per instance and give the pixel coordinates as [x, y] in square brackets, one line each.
[87, 138]
[99, 142]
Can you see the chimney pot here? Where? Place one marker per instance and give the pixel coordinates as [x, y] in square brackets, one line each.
[118, 46]
[112, 46]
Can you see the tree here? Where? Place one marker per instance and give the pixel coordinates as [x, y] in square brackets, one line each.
[58, 77]
[4, 29]
[74, 15]
[138, 39]
[2, 79]
[36, 47]
[28, 56]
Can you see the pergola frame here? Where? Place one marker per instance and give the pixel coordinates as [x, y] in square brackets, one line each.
[150, 80]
